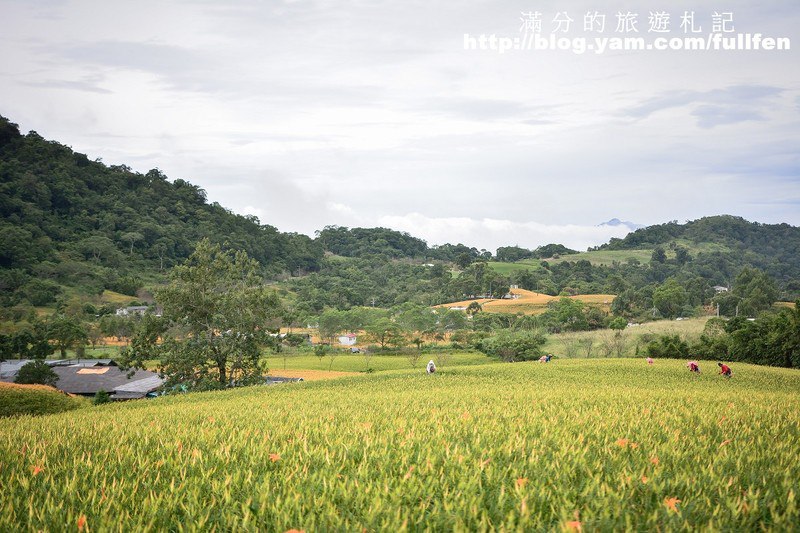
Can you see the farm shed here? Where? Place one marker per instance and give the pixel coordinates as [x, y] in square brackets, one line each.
[87, 381]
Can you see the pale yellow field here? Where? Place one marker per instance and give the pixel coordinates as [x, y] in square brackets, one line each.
[116, 298]
[531, 303]
[312, 375]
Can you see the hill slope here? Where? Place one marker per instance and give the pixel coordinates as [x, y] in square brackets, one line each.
[774, 248]
[67, 221]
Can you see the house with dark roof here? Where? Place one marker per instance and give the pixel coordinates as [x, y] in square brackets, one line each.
[89, 380]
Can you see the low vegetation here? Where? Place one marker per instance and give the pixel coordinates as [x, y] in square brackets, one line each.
[17, 400]
[593, 445]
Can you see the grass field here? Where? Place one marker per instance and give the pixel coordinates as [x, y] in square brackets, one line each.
[507, 269]
[378, 363]
[688, 329]
[592, 445]
[606, 257]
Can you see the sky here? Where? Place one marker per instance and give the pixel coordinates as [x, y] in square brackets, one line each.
[378, 113]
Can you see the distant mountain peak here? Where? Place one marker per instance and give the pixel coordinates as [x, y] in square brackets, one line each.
[614, 222]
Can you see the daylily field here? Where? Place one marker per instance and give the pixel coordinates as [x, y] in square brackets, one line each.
[569, 445]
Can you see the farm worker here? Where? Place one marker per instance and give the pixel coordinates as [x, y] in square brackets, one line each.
[649, 360]
[693, 366]
[547, 359]
[543, 359]
[431, 367]
[725, 370]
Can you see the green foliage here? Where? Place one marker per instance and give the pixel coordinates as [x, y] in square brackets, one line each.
[510, 254]
[567, 314]
[386, 333]
[66, 332]
[714, 342]
[756, 290]
[772, 248]
[82, 225]
[514, 345]
[670, 298]
[18, 400]
[364, 242]
[771, 339]
[217, 313]
[359, 282]
[29, 342]
[36, 372]
[668, 346]
[618, 323]
[101, 397]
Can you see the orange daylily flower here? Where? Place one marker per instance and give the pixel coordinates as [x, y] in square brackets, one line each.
[725, 443]
[408, 474]
[672, 504]
[36, 469]
[274, 457]
[644, 479]
[654, 460]
[521, 482]
[81, 522]
[574, 525]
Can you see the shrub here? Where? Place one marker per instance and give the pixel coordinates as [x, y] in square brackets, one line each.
[668, 346]
[514, 345]
[36, 373]
[18, 400]
[101, 397]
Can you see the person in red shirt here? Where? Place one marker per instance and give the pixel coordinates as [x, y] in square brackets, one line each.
[725, 370]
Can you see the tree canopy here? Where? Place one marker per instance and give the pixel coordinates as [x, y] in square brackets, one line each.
[217, 314]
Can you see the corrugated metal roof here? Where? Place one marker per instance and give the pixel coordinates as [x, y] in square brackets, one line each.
[141, 385]
[70, 380]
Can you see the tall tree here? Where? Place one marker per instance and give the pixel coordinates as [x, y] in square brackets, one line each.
[217, 314]
[66, 332]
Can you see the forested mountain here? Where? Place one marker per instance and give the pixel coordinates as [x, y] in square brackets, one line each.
[384, 242]
[774, 248]
[68, 221]
[74, 227]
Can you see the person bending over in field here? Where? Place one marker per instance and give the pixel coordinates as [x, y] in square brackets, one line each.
[431, 368]
[649, 360]
[693, 366]
[725, 370]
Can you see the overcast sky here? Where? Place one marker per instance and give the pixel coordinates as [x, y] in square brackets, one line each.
[367, 113]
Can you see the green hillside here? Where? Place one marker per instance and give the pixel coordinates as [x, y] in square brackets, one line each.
[73, 226]
[81, 235]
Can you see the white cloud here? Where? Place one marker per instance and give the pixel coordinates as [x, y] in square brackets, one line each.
[490, 233]
[255, 211]
[310, 113]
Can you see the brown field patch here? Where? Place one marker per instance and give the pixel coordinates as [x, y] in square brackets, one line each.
[312, 375]
[530, 302]
[6, 385]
